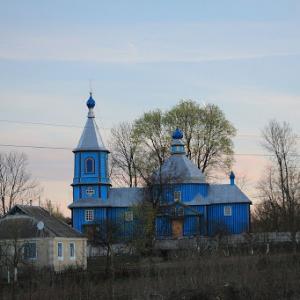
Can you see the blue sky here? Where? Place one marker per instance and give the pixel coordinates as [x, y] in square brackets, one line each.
[241, 55]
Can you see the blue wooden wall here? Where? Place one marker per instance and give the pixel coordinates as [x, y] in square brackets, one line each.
[115, 215]
[235, 224]
[210, 222]
[188, 191]
[99, 179]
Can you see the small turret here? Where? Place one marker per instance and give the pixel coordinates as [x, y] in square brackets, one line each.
[177, 146]
[232, 178]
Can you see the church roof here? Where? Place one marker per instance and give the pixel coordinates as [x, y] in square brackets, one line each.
[127, 197]
[221, 194]
[90, 139]
[178, 168]
[117, 197]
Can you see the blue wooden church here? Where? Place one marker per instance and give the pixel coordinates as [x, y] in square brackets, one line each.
[188, 205]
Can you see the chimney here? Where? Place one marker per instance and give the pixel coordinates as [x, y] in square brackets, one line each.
[232, 177]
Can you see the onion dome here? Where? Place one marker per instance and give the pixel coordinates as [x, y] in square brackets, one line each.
[90, 103]
[177, 134]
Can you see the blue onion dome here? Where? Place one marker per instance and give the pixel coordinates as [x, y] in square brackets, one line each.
[177, 134]
[91, 102]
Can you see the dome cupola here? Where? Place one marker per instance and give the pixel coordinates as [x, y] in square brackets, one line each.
[178, 168]
[177, 145]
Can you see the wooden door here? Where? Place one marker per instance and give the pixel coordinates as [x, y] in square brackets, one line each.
[177, 226]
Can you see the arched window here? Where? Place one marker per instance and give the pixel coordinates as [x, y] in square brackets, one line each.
[89, 165]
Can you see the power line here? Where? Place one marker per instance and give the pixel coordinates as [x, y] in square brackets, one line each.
[47, 124]
[105, 128]
[35, 147]
[68, 149]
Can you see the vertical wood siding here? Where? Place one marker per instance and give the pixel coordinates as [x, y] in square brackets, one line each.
[188, 191]
[237, 223]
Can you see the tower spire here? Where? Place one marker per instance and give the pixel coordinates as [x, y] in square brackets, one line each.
[90, 138]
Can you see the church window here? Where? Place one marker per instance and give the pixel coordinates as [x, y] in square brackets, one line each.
[89, 165]
[128, 216]
[177, 196]
[90, 191]
[227, 211]
[89, 215]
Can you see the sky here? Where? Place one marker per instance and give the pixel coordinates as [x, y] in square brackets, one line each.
[243, 56]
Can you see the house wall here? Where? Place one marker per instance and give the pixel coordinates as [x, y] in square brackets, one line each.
[80, 259]
[42, 250]
[46, 252]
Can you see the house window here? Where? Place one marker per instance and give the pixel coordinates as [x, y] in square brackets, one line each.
[30, 250]
[72, 250]
[128, 216]
[60, 250]
[177, 196]
[89, 215]
[89, 165]
[90, 191]
[227, 211]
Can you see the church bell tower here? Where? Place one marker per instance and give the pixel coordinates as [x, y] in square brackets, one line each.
[91, 180]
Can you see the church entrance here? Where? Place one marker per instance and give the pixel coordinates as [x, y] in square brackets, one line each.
[177, 226]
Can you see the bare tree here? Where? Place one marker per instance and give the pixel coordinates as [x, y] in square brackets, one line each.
[105, 233]
[124, 150]
[280, 188]
[154, 140]
[53, 209]
[16, 184]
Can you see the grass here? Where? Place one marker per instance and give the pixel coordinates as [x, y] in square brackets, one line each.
[181, 276]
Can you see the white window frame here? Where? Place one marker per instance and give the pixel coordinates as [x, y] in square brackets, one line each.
[74, 251]
[60, 257]
[89, 215]
[128, 216]
[86, 162]
[90, 191]
[177, 196]
[35, 254]
[227, 211]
